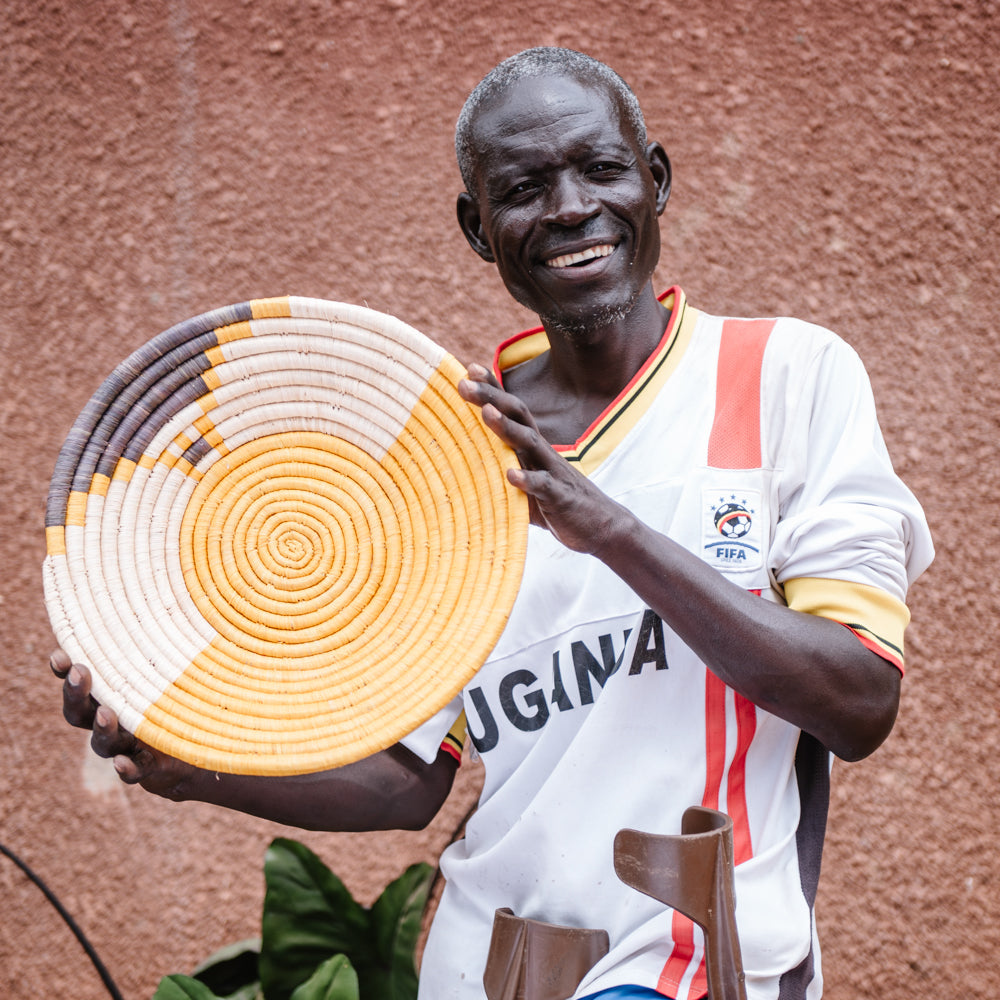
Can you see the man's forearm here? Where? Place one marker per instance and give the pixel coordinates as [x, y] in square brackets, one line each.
[393, 789]
[807, 670]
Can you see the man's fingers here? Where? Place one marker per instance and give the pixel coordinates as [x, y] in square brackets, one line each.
[507, 416]
[533, 451]
[486, 391]
[134, 762]
[109, 739]
[478, 373]
[478, 392]
[132, 768]
[127, 770]
[78, 705]
[544, 475]
[59, 663]
[535, 482]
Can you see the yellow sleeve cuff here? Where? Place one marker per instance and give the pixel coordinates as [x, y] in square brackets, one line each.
[454, 742]
[877, 618]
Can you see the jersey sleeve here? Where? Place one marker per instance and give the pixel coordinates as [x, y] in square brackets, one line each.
[443, 731]
[454, 741]
[850, 536]
[878, 619]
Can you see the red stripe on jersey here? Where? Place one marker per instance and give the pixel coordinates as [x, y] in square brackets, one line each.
[715, 739]
[672, 977]
[736, 789]
[734, 443]
[682, 931]
[735, 439]
[715, 754]
[736, 785]
[716, 695]
[699, 981]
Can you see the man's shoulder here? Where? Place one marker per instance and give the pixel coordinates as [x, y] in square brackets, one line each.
[790, 340]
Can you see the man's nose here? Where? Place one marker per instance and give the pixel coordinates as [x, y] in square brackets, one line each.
[570, 202]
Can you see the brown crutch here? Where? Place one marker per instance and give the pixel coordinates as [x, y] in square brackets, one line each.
[693, 873]
[532, 960]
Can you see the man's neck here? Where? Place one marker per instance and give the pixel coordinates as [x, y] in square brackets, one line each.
[602, 359]
[584, 371]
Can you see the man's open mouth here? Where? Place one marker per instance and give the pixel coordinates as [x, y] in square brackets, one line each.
[581, 257]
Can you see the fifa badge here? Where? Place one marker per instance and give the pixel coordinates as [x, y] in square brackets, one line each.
[731, 529]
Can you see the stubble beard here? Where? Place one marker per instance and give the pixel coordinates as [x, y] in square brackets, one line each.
[580, 329]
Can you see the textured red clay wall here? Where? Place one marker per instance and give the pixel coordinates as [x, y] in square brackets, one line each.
[835, 161]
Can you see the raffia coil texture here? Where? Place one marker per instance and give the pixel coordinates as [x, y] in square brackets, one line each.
[280, 538]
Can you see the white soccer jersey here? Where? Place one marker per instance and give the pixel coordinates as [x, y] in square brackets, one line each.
[755, 445]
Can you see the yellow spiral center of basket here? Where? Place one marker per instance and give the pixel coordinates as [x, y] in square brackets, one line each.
[292, 545]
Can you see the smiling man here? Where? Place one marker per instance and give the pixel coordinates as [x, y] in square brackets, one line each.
[568, 197]
[713, 598]
[713, 505]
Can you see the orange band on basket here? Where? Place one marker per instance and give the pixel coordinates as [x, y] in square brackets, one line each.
[279, 307]
[55, 541]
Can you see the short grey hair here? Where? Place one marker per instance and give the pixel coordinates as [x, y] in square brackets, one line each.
[544, 61]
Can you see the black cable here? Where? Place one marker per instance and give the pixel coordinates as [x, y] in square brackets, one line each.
[70, 922]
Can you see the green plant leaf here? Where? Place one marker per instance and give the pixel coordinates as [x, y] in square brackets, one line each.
[395, 928]
[335, 979]
[249, 992]
[182, 988]
[309, 916]
[231, 970]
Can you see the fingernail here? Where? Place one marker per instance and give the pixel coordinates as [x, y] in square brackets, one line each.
[74, 677]
[103, 717]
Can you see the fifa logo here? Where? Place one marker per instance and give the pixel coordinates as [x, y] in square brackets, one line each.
[733, 520]
[731, 538]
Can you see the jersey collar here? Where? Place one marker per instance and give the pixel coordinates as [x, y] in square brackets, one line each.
[611, 426]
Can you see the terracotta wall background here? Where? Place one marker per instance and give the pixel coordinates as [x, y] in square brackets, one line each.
[832, 160]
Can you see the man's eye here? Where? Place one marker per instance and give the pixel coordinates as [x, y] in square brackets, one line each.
[522, 189]
[605, 168]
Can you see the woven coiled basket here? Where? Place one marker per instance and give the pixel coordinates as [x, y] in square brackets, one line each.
[280, 538]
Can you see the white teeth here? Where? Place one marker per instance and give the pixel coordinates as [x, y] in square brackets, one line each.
[578, 258]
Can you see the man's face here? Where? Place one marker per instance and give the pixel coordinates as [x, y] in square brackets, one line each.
[566, 203]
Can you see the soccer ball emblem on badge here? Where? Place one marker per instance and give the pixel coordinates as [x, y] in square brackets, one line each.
[732, 520]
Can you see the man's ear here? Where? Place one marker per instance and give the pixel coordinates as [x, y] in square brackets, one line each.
[471, 223]
[659, 165]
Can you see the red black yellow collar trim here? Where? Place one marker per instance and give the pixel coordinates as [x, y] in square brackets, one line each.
[603, 435]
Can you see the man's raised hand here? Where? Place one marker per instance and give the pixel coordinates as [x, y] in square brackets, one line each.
[561, 499]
